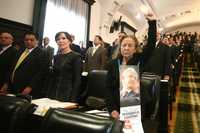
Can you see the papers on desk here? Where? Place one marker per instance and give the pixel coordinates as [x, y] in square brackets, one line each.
[45, 103]
[84, 73]
[98, 112]
[11, 95]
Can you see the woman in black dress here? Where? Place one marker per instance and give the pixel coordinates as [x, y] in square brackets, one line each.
[66, 71]
[128, 56]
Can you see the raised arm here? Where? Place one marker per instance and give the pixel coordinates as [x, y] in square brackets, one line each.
[151, 41]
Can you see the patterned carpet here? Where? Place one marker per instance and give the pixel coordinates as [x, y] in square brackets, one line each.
[187, 112]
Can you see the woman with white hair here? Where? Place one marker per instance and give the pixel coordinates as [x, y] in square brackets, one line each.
[128, 55]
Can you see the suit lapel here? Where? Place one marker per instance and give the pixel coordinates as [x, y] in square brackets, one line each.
[97, 51]
[29, 57]
[158, 45]
[6, 51]
[90, 51]
[48, 48]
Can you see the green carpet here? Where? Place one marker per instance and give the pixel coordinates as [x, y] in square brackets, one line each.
[188, 105]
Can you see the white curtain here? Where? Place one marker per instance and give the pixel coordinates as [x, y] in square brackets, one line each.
[77, 6]
[66, 15]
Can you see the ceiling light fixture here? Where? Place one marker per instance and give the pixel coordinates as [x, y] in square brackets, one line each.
[138, 16]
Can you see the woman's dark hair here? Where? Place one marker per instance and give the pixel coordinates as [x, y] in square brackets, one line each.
[31, 33]
[67, 35]
[100, 38]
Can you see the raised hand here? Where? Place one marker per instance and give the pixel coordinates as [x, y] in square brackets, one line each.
[150, 16]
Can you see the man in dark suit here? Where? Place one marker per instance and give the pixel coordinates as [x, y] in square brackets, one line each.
[96, 57]
[75, 47]
[29, 69]
[7, 56]
[48, 49]
[159, 62]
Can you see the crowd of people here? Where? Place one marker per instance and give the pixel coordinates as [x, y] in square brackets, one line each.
[35, 70]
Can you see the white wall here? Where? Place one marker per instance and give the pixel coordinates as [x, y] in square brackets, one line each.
[95, 20]
[101, 21]
[17, 10]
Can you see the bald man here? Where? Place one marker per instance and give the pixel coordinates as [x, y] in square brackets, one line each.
[7, 56]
